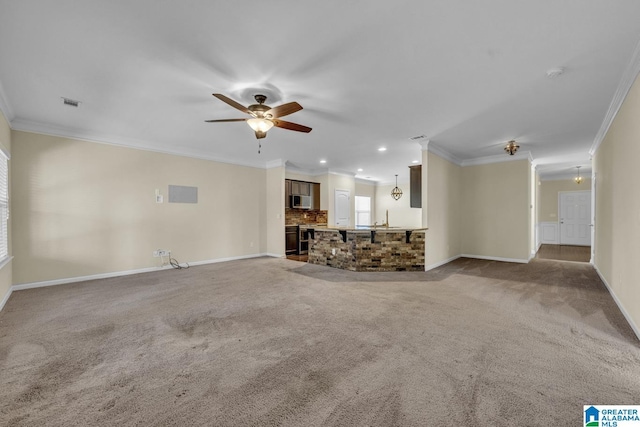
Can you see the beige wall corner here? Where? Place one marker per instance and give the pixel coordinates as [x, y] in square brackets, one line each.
[496, 210]
[444, 209]
[617, 207]
[6, 272]
[274, 215]
[83, 209]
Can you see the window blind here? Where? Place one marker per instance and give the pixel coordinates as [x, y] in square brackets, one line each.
[4, 206]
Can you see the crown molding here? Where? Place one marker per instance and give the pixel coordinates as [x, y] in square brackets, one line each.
[131, 143]
[628, 78]
[441, 152]
[277, 163]
[5, 107]
[498, 158]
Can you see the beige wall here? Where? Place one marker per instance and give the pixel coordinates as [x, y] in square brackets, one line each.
[496, 219]
[83, 208]
[617, 209]
[444, 209]
[401, 214]
[548, 210]
[273, 224]
[6, 271]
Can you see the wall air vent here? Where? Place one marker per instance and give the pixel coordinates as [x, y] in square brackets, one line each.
[70, 102]
[416, 138]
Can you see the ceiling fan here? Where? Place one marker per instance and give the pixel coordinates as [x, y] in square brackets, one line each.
[263, 117]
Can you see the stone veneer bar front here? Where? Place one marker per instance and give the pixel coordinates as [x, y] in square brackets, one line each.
[368, 250]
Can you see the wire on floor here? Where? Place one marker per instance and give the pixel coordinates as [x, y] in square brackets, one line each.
[174, 263]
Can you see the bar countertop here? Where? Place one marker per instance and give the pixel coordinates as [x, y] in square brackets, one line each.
[362, 228]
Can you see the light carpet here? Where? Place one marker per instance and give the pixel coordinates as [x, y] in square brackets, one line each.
[266, 342]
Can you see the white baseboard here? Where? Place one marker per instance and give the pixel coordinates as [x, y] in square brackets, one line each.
[33, 285]
[495, 258]
[618, 303]
[6, 298]
[438, 264]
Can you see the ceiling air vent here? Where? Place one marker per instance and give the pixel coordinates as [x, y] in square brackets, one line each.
[415, 138]
[70, 102]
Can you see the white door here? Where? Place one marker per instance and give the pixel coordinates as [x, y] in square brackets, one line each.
[575, 217]
[342, 208]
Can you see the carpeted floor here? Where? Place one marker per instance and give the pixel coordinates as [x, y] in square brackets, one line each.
[267, 342]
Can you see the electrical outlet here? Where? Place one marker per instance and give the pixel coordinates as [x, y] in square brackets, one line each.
[161, 252]
[156, 254]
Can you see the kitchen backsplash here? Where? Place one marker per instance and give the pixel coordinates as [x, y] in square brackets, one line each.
[304, 216]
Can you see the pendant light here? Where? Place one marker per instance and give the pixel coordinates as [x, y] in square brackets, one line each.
[396, 193]
[578, 179]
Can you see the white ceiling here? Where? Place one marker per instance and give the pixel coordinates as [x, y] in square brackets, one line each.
[468, 75]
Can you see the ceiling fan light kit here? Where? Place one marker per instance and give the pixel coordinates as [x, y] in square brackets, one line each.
[511, 147]
[263, 117]
[260, 125]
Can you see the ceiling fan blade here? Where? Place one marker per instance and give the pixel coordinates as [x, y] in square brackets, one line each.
[283, 110]
[226, 120]
[233, 103]
[291, 126]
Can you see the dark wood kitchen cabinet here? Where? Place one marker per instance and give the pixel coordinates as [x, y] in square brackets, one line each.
[287, 193]
[300, 188]
[315, 196]
[415, 186]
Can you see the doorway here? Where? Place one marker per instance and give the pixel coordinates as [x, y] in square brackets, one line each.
[569, 238]
[342, 208]
[574, 212]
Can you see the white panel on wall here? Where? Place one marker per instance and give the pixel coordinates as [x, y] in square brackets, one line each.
[548, 233]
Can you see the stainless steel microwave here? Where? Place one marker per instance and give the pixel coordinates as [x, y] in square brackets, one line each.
[301, 202]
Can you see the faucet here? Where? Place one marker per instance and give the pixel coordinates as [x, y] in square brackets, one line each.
[386, 223]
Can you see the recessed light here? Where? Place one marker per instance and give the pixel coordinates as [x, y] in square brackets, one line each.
[382, 149]
[323, 161]
[415, 161]
[360, 169]
[555, 72]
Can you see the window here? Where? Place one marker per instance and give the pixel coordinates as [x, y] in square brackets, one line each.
[4, 206]
[363, 210]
